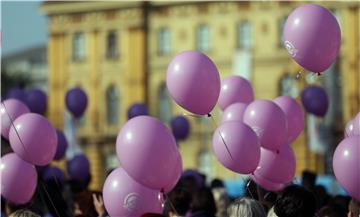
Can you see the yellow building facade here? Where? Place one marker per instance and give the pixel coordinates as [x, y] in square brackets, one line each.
[118, 53]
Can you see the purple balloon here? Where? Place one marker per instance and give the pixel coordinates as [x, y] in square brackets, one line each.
[61, 145]
[176, 175]
[36, 99]
[315, 100]
[353, 127]
[78, 168]
[237, 147]
[123, 196]
[33, 139]
[200, 182]
[266, 184]
[180, 127]
[193, 82]
[312, 37]
[277, 167]
[18, 179]
[294, 116]
[137, 109]
[76, 101]
[269, 123]
[235, 89]
[10, 110]
[16, 93]
[346, 165]
[147, 151]
[54, 174]
[234, 112]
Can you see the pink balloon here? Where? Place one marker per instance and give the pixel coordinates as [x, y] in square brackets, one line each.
[34, 139]
[266, 184]
[294, 115]
[346, 165]
[11, 109]
[235, 89]
[269, 123]
[18, 179]
[234, 112]
[312, 37]
[147, 151]
[193, 82]
[243, 146]
[277, 167]
[353, 127]
[125, 197]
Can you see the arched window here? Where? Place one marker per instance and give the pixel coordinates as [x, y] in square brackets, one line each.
[244, 35]
[205, 163]
[112, 105]
[288, 86]
[165, 104]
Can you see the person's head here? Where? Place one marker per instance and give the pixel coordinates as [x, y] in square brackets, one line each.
[331, 211]
[203, 200]
[354, 208]
[308, 179]
[246, 207]
[84, 205]
[295, 201]
[321, 195]
[23, 213]
[151, 215]
[217, 183]
[178, 199]
[222, 200]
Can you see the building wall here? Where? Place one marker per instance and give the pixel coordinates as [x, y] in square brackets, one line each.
[139, 71]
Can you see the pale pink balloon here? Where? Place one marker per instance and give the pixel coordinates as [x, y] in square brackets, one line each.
[269, 123]
[294, 116]
[346, 165]
[353, 127]
[176, 174]
[125, 197]
[278, 167]
[236, 146]
[234, 112]
[10, 110]
[235, 89]
[266, 184]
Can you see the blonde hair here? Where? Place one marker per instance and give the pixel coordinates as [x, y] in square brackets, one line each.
[271, 213]
[246, 207]
[23, 213]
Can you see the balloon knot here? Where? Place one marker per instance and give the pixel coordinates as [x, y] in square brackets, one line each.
[209, 115]
[277, 152]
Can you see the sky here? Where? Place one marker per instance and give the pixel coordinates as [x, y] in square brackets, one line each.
[22, 26]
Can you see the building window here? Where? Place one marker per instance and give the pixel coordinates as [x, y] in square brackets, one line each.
[79, 46]
[244, 35]
[111, 45]
[288, 86]
[164, 41]
[112, 105]
[203, 38]
[165, 104]
[281, 30]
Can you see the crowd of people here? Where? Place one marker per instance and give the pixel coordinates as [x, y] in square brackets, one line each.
[191, 198]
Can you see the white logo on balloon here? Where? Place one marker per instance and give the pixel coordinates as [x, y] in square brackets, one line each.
[258, 131]
[132, 201]
[291, 48]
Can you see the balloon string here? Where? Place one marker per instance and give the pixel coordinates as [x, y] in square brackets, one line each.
[221, 136]
[170, 203]
[248, 188]
[48, 195]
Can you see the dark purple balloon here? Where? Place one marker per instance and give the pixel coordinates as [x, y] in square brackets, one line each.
[180, 127]
[196, 175]
[61, 145]
[137, 109]
[76, 101]
[41, 169]
[315, 100]
[54, 174]
[36, 100]
[16, 93]
[79, 168]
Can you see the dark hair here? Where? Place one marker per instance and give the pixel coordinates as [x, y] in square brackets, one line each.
[295, 201]
[151, 215]
[308, 179]
[203, 200]
[178, 199]
[354, 207]
[217, 183]
[86, 203]
[332, 211]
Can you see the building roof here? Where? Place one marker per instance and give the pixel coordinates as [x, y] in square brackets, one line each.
[34, 54]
